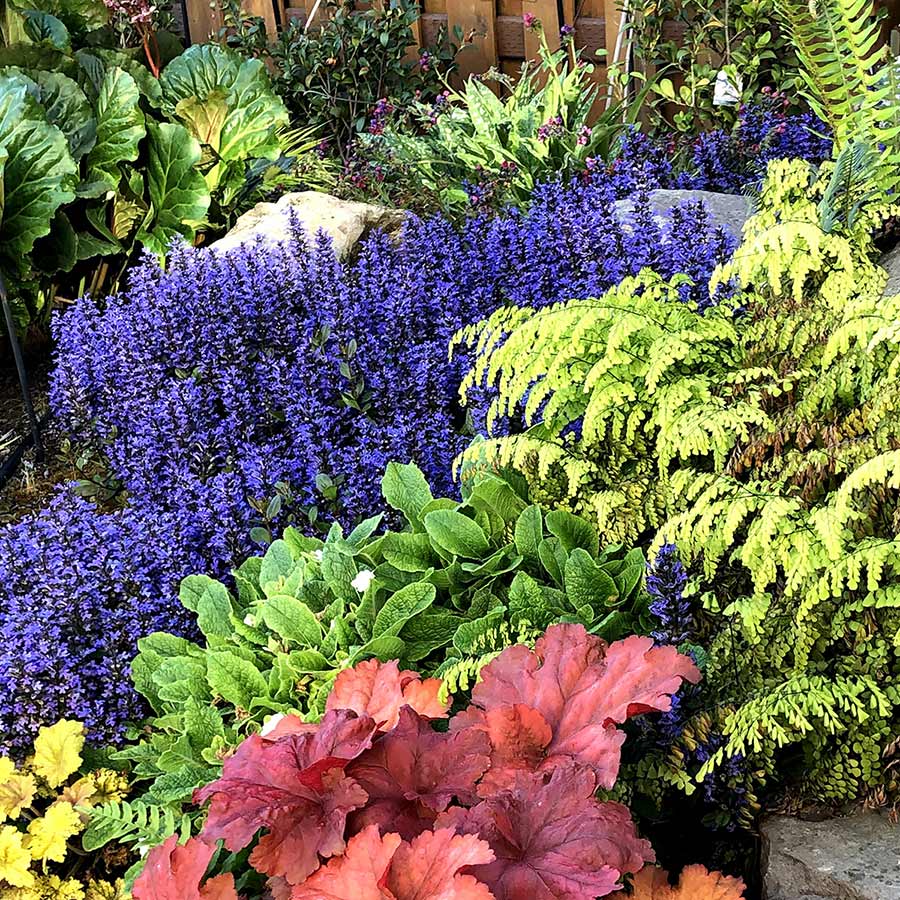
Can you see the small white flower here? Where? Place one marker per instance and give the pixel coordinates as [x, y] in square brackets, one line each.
[249, 620]
[271, 724]
[318, 555]
[363, 580]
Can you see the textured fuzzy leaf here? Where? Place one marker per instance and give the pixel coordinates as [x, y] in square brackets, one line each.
[456, 534]
[583, 688]
[174, 873]
[384, 868]
[402, 606]
[295, 788]
[412, 773]
[177, 190]
[404, 488]
[553, 841]
[120, 127]
[380, 690]
[696, 883]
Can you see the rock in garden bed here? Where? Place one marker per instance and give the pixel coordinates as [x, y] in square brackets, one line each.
[346, 222]
[853, 858]
[729, 210]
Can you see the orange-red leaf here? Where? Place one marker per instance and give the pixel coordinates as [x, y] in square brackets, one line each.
[696, 883]
[386, 868]
[295, 788]
[413, 772]
[582, 688]
[174, 873]
[552, 840]
[380, 690]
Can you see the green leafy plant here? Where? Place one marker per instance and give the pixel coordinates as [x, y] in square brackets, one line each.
[544, 125]
[761, 437]
[332, 76]
[848, 83]
[439, 592]
[101, 159]
[689, 42]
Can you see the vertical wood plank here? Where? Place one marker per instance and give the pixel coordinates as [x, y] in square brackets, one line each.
[476, 17]
[204, 19]
[547, 13]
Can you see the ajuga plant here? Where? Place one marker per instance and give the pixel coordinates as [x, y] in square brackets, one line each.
[44, 804]
[761, 437]
[250, 390]
[375, 802]
[458, 584]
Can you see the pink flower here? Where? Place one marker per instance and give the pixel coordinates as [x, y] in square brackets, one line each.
[530, 21]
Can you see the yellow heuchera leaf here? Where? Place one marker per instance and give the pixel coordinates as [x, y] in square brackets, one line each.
[109, 786]
[16, 794]
[47, 836]
[81, 793]
[57, 751]
[103, 890]
[7, 768]
[15, 860]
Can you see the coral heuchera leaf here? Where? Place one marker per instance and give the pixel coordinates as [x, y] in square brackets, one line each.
[552, 840]
[380, 690]
[582, 688]
[386, 868]
[696, 883]
[295, 788]
[412, 773]
[174, 873]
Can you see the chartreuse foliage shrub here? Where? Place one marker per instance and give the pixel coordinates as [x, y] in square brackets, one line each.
[497, 805]
[99, 159]
[761, 436]
[459, 583]
[43, 809]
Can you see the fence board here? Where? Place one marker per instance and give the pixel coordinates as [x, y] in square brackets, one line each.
[475, 17]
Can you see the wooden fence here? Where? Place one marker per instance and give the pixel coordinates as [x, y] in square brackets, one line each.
[500, 38]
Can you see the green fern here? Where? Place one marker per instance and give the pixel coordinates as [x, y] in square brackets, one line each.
[766, 446]
[135, 824]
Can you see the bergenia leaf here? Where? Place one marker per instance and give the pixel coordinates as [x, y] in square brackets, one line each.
[295, 789]
[120, 128]
[696, 883]
[552, 840]
[412, 773]
[583, 688]
[384, 868]
[174, 873]
[380, 690]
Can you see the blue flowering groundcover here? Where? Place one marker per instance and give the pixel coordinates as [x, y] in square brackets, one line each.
[208, 383]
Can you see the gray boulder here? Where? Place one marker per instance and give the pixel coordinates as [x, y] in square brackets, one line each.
[729, 210]
[891, 263]
[853, 858]
[344, 221]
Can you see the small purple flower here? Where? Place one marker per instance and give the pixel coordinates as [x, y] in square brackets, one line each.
[567, 31]
[666, 580]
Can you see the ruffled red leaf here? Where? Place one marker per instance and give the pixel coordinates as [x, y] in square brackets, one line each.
[582, 688]
[295, 788]
[696, 883]
[173, 873]
[380, 690]
[384, 868]
[413, 772]
[552, 840]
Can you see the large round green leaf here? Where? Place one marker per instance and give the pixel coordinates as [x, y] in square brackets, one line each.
[178, 195]
[39, 174]
[120, 127]
[226, 102]
[65, 105]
